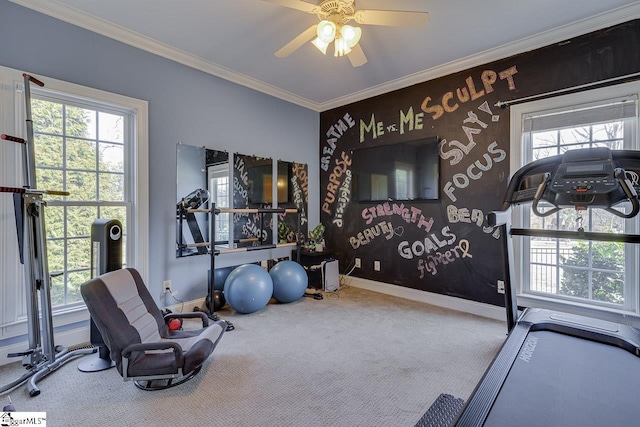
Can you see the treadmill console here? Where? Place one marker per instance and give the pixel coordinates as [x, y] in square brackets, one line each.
[585, 179]
[580, 179]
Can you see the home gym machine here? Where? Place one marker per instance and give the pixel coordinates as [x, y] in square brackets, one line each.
[557, 368]
[43, 356]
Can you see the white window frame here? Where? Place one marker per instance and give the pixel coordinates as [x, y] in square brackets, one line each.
[12, 121]
[217, 172]
[630, 314]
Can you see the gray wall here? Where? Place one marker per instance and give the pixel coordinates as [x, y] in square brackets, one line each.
[185, 105]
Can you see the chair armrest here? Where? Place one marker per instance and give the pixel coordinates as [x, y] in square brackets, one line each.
[150, 346]
[146, 346]
[192, 315]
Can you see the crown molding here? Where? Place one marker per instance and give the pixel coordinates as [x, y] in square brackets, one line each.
[75, 17]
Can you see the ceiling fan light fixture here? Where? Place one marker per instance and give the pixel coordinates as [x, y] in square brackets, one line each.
[351, 35]
[326, 31]
[341, 47]
[321, 45]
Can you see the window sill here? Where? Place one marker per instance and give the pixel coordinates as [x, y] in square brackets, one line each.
[60, 318]
[581, 309]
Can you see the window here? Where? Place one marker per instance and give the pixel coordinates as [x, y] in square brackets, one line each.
[80, 146]
[219, 189]
[92, 144]
[580, 274]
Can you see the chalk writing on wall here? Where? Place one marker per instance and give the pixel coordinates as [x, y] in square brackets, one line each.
[455, 152]
[459, 150]
[431, 242]
[366, 236]
[334, 133]
[469, 92]
[344, 196]
[462, 215]
[410, 214]
[475, 170]
[431, 262]
[335, 181]
[408, 120]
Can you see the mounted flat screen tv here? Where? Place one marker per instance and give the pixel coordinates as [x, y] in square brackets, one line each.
[405, 171]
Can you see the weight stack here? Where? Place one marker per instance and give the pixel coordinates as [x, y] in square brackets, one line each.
[106, 255]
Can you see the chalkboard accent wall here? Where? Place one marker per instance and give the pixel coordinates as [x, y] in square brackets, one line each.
[445, 245]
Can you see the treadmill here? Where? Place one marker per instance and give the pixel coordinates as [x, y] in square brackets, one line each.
[555, 368]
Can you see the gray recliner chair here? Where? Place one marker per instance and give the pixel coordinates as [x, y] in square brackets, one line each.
[141, 344]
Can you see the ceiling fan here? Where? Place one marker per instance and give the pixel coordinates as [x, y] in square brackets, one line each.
[333, 27]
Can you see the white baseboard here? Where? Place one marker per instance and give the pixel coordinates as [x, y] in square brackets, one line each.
[70, 338]
[453, 303]
[187, 306]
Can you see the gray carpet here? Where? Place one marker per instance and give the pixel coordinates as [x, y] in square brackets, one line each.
[358, 358]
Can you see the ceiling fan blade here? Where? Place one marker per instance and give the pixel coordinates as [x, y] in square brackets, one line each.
[296, 4]
[357, 56]
[289, 48]
[394, 18]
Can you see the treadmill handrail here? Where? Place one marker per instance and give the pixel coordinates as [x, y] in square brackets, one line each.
[539, 193]
[514, 181]
[629, 191]
[577, 235]
[495, 218]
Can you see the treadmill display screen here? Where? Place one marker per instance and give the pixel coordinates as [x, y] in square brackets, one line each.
[588, 168]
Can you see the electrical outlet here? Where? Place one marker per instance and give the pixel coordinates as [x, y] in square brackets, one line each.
[500, 287]
[376, 265]
[166, 285]
[358, 265]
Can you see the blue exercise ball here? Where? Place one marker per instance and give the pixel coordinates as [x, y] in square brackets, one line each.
[220, 276]
[248, 288]
[290, 281]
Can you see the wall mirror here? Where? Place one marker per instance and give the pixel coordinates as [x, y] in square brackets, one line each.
[192, 193]
[293, 192]
[219, 181]
[203, 177]
[252, 188]
[239, 181]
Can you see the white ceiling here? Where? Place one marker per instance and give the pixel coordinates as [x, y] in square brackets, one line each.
[236, 39]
